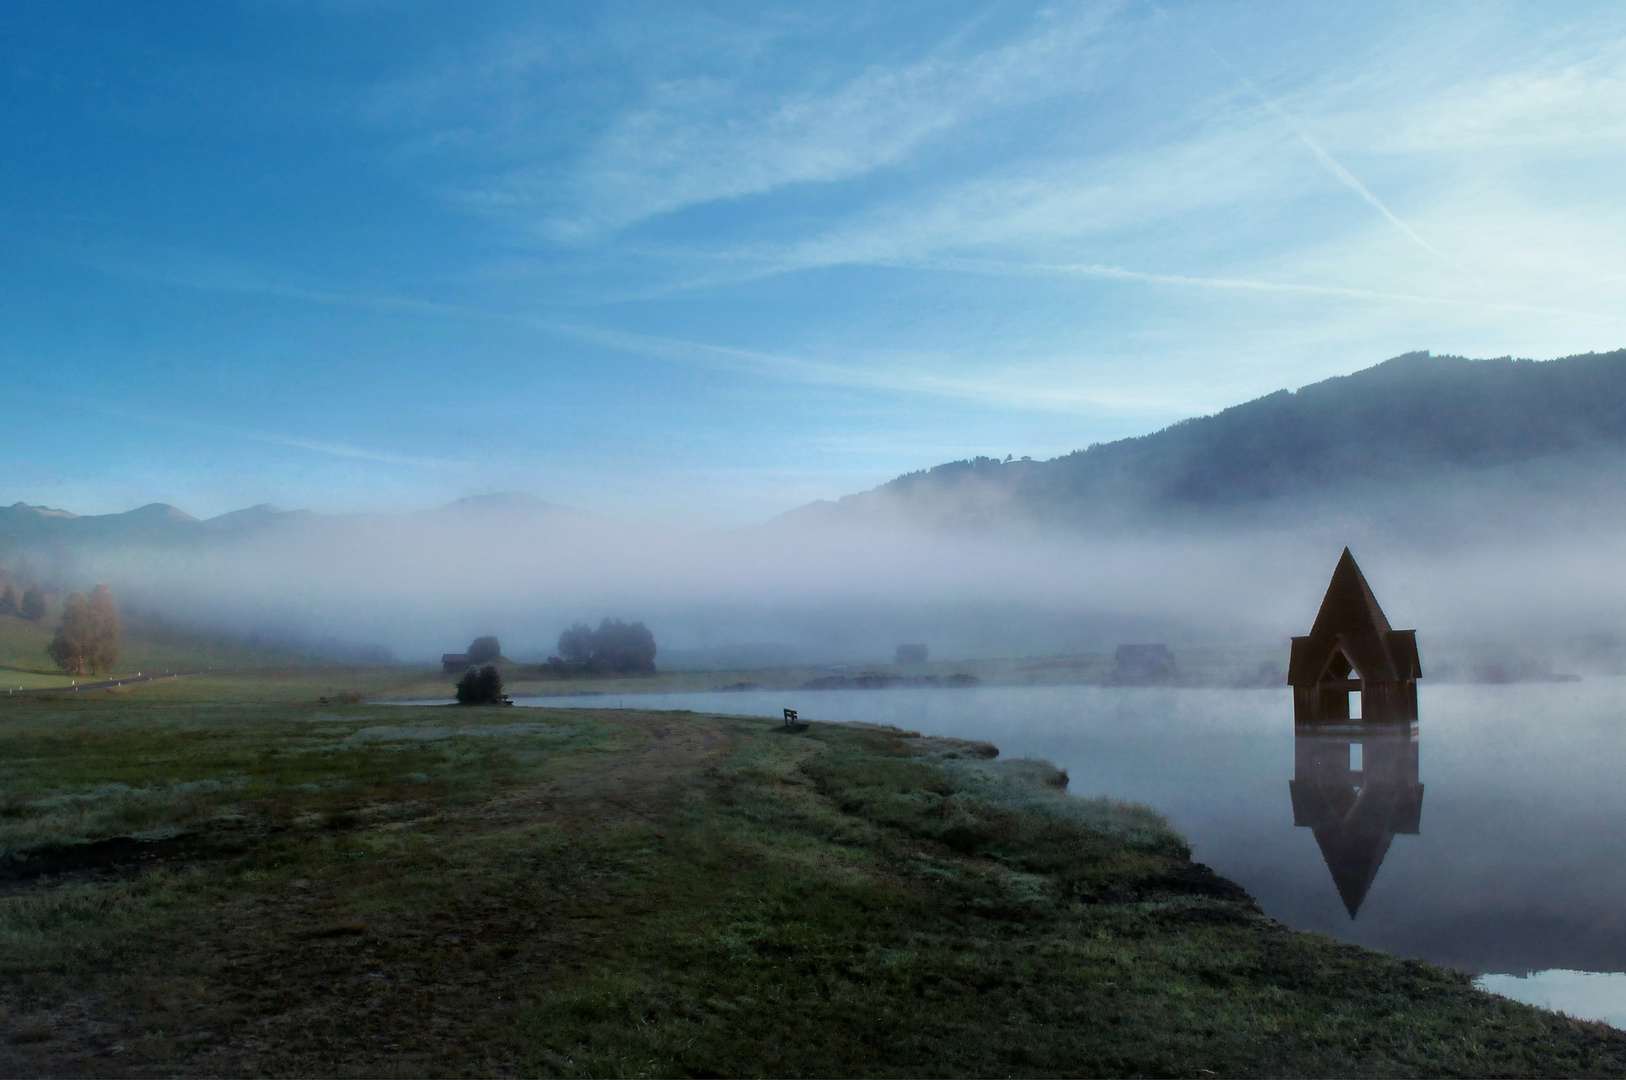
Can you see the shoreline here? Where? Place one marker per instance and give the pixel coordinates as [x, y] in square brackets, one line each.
[355, 887]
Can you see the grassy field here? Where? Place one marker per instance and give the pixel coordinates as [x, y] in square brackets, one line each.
[221, 875]
[148, 646]
[144, 647]
[1204, 666]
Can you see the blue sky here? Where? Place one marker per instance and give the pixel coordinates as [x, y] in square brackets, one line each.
[714, 261]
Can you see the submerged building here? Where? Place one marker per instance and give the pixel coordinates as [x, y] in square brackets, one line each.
[1352, 654]
[1355, 780]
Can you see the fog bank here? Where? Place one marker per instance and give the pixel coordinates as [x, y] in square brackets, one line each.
[1525, 570]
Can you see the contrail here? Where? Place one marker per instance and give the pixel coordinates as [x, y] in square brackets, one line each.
[1353, 183]
[1345, 177]
[1103, 270]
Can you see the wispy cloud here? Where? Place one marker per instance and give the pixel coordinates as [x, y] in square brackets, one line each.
[702, 138]
[1050, 219]
[327, 448]
[1034, 388]
[1033, 207]
[1119, 273]
[1235, 169]
[212, 272]
[1049, 385]
[1210, 162]
[1571, 101]
[346, 450]
[1343, 175]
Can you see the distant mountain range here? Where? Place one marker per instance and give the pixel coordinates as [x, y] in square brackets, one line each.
[1415, 419]
[1502, 482]
[162, 525]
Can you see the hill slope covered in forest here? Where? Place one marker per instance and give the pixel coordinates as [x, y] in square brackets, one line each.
[1415, 419]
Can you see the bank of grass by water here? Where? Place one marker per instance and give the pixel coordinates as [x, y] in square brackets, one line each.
[241, 880]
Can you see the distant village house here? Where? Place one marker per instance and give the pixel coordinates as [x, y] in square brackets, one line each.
[454, 663]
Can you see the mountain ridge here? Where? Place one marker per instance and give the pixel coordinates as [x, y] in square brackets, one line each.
[1411, 418]
[1415, 417]
[163, 522]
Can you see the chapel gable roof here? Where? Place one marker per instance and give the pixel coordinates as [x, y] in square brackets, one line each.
[1350, 620]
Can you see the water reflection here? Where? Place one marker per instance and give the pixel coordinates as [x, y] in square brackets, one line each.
[1585, 995]
[1355, 787]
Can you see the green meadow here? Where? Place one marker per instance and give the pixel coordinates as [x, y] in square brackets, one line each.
[224, 875]
[144, 647]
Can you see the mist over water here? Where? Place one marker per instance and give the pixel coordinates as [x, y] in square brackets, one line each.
[1531, 592]
[1484, 499]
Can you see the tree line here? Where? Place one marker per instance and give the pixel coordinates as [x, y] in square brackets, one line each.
[29, 604]
[615, 646]
[87, 637]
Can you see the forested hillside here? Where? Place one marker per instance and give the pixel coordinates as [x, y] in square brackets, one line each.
[1415, 418]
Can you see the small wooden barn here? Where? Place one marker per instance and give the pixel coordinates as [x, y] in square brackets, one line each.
[1352, 650]
[910, 654]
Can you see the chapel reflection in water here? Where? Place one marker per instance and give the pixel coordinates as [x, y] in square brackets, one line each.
[1355, 787]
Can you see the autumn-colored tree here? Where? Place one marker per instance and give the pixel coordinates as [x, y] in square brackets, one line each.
[72, 639]
[88, 637]
[105, 621]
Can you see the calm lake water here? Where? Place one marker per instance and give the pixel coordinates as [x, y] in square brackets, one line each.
[1491, 841]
